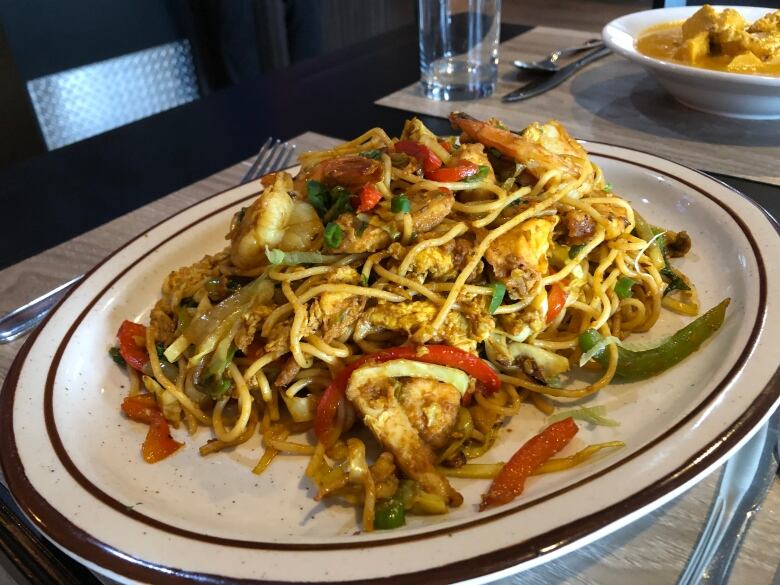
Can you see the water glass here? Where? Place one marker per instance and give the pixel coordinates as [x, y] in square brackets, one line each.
[459, 48]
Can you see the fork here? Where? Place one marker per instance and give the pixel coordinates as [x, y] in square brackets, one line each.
[273, 155]
[747, 476]
[550, 63]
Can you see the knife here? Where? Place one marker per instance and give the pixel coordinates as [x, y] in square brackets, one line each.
[540, 86]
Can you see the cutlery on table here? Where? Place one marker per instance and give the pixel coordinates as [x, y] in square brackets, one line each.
[540, 86]
[274, 154]
[550, 64]
[747, 477]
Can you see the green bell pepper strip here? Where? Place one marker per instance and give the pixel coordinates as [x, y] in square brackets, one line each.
[389, 513]
[638, 365]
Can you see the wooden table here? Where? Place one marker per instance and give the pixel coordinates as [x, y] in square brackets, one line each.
[129, 169]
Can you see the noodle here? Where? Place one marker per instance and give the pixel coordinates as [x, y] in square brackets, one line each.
[521, 251]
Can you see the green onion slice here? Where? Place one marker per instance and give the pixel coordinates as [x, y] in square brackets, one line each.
[499, 290]
[400, 204]
[333, 235]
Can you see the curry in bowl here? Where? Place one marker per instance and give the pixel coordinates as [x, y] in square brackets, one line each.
[723, 41]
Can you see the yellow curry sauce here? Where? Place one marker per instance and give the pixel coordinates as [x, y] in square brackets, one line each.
[722, 41]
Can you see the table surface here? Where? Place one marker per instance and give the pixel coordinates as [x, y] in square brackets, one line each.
[133, 167]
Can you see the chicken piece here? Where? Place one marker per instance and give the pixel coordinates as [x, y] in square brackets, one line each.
[524, 149]
[432, 408]
[252, 322]
[162, 322]
[358, 235]
[337, 312]
[430, 208]
[519, 257]
[274, 220]
[185, 281]
[460, 329]
[384, 415]
[579, 227]
[617, 218]
[703, 21]
[769, 24]
[288, 373]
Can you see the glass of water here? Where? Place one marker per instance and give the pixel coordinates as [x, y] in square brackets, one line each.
[459, 48]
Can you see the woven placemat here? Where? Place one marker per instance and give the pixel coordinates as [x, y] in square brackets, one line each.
[616, 101]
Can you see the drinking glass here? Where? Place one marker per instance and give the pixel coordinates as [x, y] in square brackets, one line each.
[459, 48]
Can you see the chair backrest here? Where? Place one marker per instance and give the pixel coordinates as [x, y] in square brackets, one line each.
[78, 103]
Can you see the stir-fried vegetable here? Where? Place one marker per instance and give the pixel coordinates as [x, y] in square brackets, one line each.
[368, 196]
[638, 365]
[333, 235]
[591, 414]
[280, 257]
[400, 204]
[499, 290]
[389, 513]
[404, 368]
[132, 344]
[429, 161]
[158, 443]
[435, 354]
[462, 170]
[623, 287]
[556, 300]
[510, 482]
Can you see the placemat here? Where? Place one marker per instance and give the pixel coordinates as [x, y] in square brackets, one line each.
[616, 101]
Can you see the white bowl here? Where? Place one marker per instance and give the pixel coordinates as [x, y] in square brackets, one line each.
[736, 95]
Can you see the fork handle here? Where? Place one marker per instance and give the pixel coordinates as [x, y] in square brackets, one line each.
[21, 320]
[737, 499]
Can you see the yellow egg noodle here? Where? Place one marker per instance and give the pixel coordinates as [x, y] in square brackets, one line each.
[505, 246]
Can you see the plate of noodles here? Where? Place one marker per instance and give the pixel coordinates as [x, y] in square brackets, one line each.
[425, 358]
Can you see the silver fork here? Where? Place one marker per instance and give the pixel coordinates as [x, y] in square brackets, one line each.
[273, 155]
[747, 476]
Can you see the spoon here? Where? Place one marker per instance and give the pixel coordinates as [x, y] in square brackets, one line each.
[550, 64]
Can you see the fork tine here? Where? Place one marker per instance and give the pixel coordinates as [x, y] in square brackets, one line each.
[265, 164]
[250, 174]
[274, 160]
[289, 155]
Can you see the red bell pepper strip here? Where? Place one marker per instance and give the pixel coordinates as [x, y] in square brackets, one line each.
[556, 300]
[132, 344]
[428, 160]
[368, 196]
[453, 174]
[444, 355]
[158, 443]
[510, 481]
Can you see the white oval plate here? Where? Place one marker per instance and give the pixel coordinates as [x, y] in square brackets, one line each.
[735, 95]
[73, 462]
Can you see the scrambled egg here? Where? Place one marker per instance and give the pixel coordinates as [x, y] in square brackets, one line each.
[519, 257]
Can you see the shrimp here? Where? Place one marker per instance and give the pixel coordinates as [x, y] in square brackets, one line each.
[525, 149]
[274, 220]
